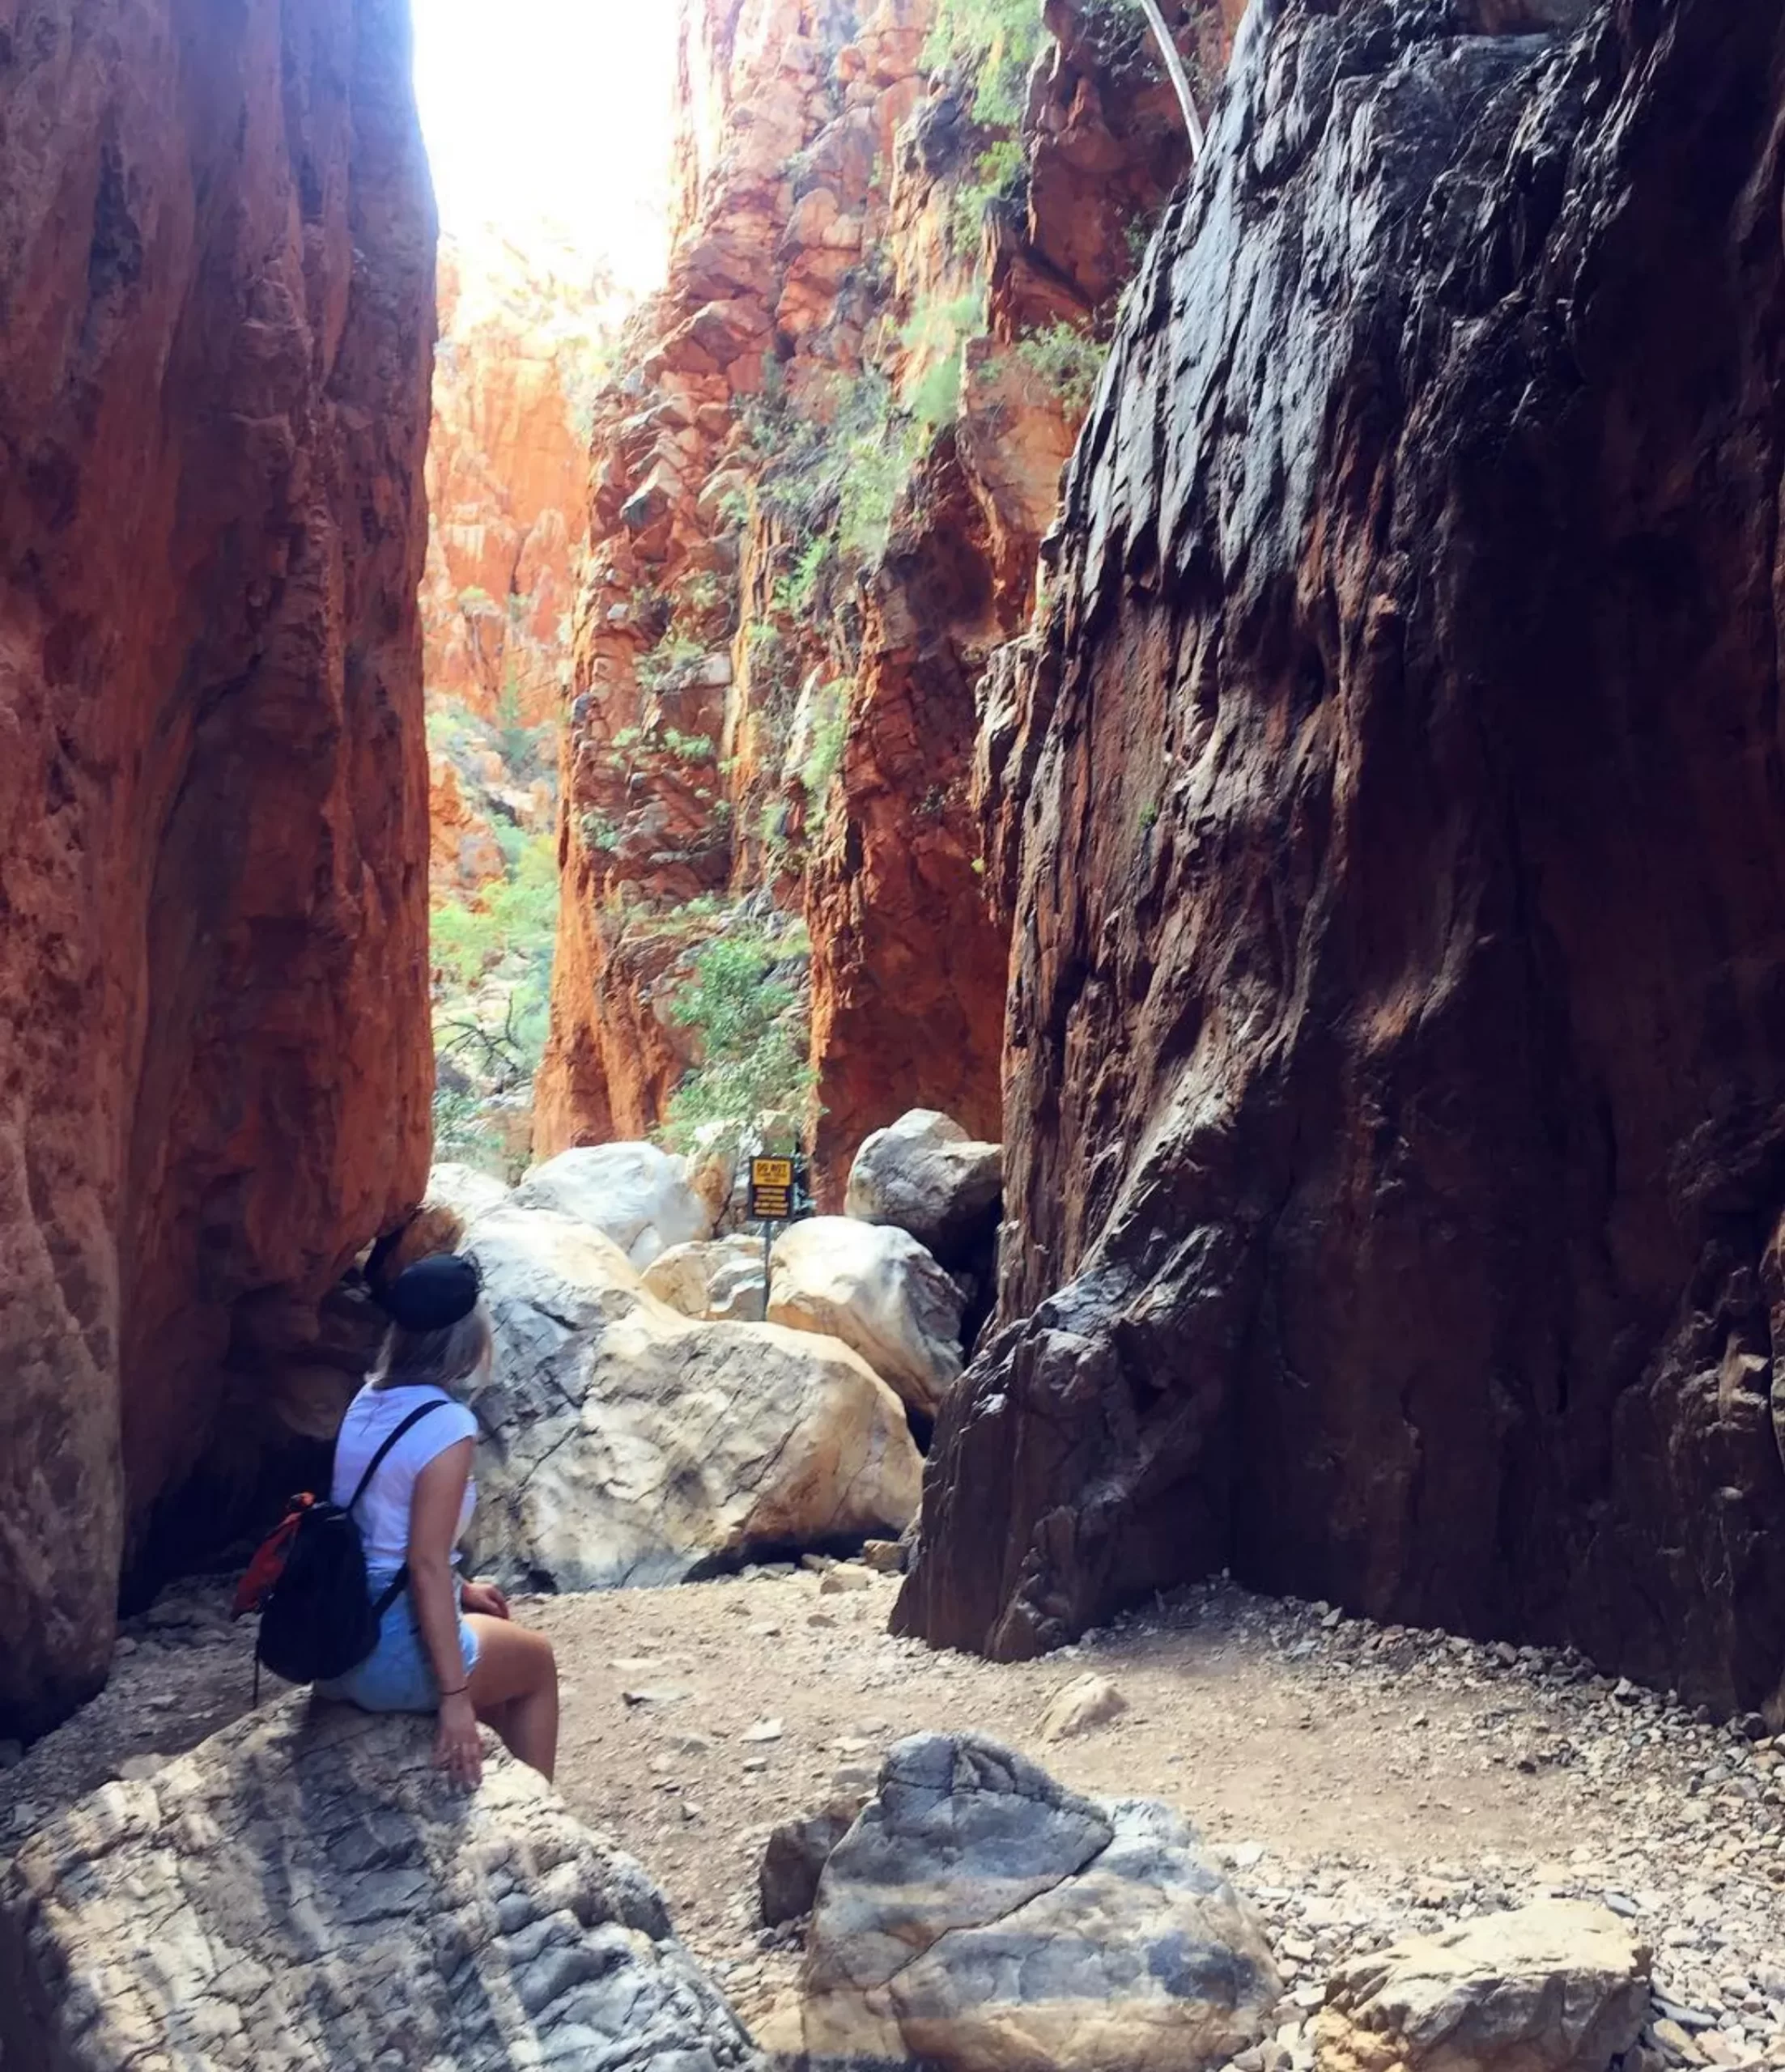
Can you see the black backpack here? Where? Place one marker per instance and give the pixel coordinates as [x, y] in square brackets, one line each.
[308, 1583]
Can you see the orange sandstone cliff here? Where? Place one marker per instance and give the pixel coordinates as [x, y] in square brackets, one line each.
[821, 485]
[521, 349]
[216, 278]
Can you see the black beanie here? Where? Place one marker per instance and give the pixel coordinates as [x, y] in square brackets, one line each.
[433, 1293]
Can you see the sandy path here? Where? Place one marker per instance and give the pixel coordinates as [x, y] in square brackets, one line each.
[1360, 1780]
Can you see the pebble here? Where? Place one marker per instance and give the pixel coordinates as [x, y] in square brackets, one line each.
[844, 1578]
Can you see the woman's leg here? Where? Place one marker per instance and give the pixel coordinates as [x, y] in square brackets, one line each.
[514, 1687]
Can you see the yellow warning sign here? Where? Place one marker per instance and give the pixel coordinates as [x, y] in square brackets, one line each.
[772, 1189]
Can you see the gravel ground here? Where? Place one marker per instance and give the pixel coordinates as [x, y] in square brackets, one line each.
[1358, 1781]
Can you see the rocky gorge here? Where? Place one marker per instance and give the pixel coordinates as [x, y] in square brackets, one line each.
[1201, 740]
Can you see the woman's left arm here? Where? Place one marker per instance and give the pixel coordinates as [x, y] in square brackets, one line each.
[433, 1526]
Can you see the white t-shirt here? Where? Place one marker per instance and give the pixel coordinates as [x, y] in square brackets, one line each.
[383, 1515]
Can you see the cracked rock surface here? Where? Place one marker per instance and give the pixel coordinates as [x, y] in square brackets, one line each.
[304, 1889]
[626, 1444]
[979, 1914]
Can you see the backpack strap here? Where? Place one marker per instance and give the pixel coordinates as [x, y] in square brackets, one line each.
[378, 1458]
[399, 1582]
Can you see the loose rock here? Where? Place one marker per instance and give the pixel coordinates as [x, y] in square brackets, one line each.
[797, 1852]
[718, 1281]
[978, 1917]
[1555, 1987]
[629, 1445]
[633, 1193]
[881, 1292]
[926, 1176]
[1092, 1701]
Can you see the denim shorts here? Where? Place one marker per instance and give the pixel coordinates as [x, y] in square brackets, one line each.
[396, 1676]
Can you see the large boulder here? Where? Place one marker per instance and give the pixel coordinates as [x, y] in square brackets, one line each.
[978, 1917]
[626, 1444]
[718, 1280]
[926, 1175]
[304, 1889]
[1555, 1987]
[878, 1290]
[633, 1193]
[464, 1191]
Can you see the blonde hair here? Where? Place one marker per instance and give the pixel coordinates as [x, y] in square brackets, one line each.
[434, 1359]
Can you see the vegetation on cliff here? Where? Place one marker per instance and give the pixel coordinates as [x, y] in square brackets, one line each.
[820, 486]
[525, 348]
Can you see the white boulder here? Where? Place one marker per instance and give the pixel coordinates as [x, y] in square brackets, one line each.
[626, 1444]
[634, 1193]
[879, 1291]
[926, 1175]
[464, 1191]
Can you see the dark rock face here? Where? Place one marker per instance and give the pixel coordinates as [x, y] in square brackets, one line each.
[1392, 816]
[794, 1860]
[216, 299]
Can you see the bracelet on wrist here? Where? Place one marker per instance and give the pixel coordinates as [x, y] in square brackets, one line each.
[458, 1693]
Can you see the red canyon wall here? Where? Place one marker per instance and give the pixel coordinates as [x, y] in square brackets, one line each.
[215, 315]
[1391, 817]
[522, 349]
[776, 701]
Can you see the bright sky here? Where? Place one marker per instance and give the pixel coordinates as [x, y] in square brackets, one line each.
[552, 117]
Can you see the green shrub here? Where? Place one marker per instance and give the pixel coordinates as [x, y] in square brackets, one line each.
[795, 594]
[481, 944]
[1069, 361]
[938, 332]
[1000, 174]
[660, 666]
[600, 833]
[526, 751]
[753, 1078]
[464, 1132]
[830, 732]
[997, 41]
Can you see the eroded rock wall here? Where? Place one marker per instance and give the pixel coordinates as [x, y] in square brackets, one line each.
[776, 699]
[1389, 813]
[216, 276]
[505, 468]
[521, 338]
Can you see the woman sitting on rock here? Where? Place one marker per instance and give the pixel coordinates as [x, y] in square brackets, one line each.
[443, 1645]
